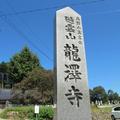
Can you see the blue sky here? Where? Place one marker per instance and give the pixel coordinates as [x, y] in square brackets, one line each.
[101, 25]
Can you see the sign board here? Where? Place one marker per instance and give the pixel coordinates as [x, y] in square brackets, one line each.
[36, 109]
[72, 88]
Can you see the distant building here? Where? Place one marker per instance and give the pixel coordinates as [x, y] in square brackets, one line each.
[5, 89]
[5, 95]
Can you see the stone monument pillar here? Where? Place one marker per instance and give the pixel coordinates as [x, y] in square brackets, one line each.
[72, 85]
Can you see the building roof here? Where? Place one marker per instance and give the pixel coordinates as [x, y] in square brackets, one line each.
[5, 94]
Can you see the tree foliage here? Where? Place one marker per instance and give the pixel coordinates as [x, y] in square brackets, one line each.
[37, 87]
[3, 67]
[21, 64]
[99, 93]
[33, 84]
[113, 96]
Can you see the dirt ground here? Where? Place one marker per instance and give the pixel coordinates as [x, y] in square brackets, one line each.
[101, 116]
[101, 113]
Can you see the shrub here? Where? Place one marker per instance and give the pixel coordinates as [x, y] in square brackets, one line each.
[46, 113]
[21, 113]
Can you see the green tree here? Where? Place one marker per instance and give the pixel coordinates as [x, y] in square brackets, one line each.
[21, 64]
[110, 95]
[113, 96]
[100, 93]
[37, 87]
[4, 81]
[3, 67]
[91, 95]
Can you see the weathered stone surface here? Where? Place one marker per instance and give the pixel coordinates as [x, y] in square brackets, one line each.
[72, 87]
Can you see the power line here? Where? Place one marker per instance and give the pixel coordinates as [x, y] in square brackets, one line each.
[25, 24]
[105, 12]
[49, 8]
[37, 10]
[13, 26]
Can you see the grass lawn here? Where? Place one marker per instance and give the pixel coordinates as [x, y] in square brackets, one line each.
[25, 112]
[105, 109]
